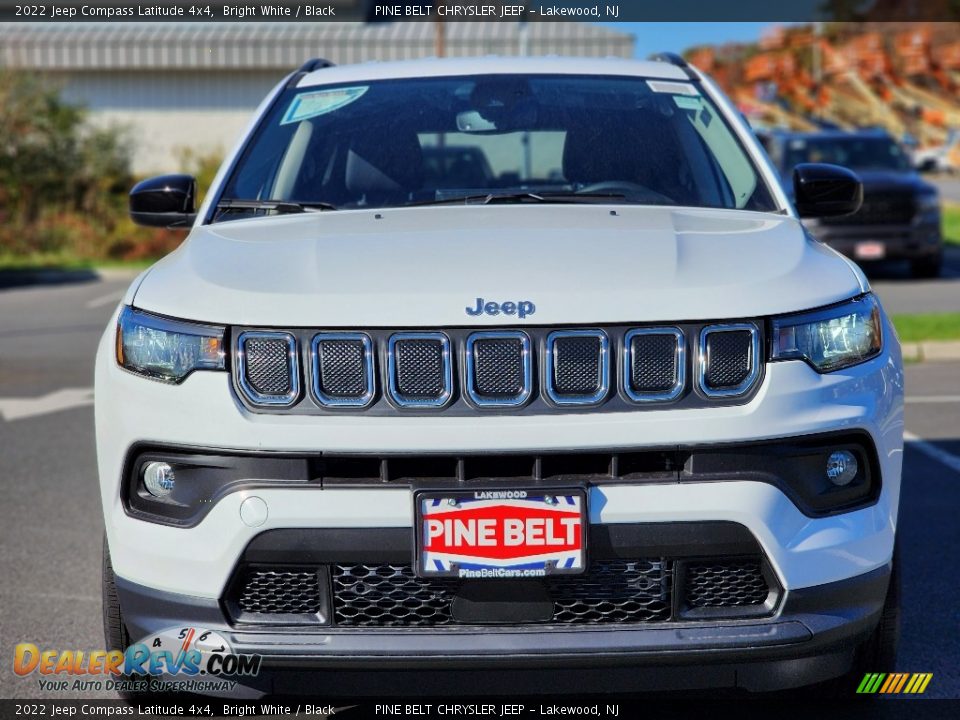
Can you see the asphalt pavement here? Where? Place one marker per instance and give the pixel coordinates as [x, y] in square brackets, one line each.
[949, 186]
[51, 526]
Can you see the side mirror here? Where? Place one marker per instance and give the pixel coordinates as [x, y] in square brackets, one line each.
[164, 201]
[822, 190]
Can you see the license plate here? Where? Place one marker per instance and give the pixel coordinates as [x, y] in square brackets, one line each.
[870, 251]
[490, 534]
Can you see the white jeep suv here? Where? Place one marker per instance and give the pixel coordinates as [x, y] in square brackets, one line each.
[522, 365]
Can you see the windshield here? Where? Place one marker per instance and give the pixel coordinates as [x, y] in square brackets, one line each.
[854, 153]
[514, 138]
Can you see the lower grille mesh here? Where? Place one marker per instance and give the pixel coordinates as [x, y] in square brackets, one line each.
[389, 596]
[610, 592]
[615, 591]
[725, 584]
[281, 592]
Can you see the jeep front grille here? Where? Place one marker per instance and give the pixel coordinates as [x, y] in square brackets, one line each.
[466, 371]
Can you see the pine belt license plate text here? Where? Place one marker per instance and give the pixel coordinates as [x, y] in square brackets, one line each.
[490, 534]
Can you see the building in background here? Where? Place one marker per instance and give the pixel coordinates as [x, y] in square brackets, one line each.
[193, 86]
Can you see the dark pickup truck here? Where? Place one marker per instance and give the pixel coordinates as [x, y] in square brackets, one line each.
[900, 215]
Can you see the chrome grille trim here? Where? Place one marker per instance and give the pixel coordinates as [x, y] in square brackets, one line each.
[406, 401]
[327, 400]
[525, 356]
[680, 367]
[703, 361]
[293, 358]
[550, 368]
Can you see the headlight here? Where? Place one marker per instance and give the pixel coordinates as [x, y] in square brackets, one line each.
[928, 203]
[832, 338]
[167, 349]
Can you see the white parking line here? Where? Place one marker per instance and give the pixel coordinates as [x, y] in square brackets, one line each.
[64, 399]
[932, 451]
[107, 299]
[932, 399]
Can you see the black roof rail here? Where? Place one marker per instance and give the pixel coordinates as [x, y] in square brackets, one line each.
[308, 67]
[315, 64]
[670, 57]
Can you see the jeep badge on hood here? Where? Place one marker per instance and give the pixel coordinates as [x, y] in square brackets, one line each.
[521, 308]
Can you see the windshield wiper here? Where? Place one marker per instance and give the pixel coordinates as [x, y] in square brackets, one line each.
[525, 196]
[283, 207]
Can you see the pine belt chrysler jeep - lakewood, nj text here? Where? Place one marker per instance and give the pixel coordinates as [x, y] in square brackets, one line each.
[515, 365]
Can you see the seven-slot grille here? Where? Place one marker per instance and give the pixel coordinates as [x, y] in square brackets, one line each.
[500, 368]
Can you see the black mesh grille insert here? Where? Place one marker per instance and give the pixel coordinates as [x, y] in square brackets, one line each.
[267, 365]
[614, 591]
[389, 596]
[577, 365]
[498, 367]
[610, 592]
[284, 592]
[729, 358]
[653, 362]
[419, 371]
[725, 584]
[373, 595]
[341, 366]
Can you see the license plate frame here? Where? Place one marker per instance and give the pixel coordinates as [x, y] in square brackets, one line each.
[568, 558]
[870, 250]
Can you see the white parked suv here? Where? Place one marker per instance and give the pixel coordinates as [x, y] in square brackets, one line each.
[521, 365]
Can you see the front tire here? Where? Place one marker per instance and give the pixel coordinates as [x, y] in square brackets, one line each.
[114, 630]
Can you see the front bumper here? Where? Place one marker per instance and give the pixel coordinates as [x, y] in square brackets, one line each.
[900, 242]
[813, 638]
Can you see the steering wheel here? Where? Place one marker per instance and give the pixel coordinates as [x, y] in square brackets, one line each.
[630, 190]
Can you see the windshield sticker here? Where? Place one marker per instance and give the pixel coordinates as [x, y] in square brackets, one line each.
[674, 88]
[687, 103]
[308, 105]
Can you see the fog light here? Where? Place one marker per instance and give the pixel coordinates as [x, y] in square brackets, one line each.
[842, 467]
[158, 478]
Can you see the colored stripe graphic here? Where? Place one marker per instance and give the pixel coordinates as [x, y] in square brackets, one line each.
[894, 683]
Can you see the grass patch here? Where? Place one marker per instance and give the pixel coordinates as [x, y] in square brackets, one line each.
[951, 224]
[932, 326]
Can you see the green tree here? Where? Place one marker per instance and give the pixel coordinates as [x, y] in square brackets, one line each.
[50, 155]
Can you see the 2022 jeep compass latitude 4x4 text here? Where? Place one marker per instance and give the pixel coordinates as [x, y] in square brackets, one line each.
[514, 365]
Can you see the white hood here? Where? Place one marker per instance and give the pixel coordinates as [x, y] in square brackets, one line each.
[421, 267]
